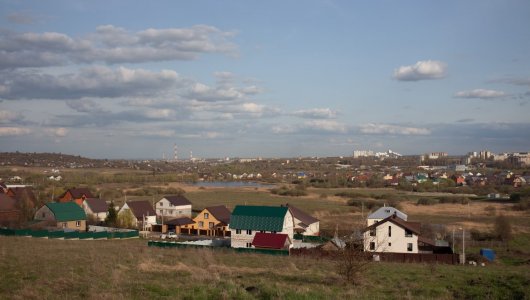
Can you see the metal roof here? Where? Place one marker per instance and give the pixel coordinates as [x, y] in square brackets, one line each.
[268, 218]
[68, 211]
[270, 240]
[385, 212]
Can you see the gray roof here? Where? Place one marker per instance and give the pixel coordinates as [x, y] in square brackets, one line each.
[385, 212]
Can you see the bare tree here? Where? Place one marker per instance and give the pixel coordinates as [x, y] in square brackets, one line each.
[503, 228]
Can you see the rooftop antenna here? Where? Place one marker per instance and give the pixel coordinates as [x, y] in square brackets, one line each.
[191, 155]
[175, 157]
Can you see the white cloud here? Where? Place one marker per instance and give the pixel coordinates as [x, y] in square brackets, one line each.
[480, 93]
[57, 132]
[14, 131]
[326, 125]
[421, 70]
[97, 81]
[372, 128]
[316, 113]
[112, 45]
[311, 127]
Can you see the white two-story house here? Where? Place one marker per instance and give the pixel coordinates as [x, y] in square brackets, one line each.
[392, 234]
[172, 207]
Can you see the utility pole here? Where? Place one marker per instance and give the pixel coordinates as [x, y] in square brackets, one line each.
[463, 247]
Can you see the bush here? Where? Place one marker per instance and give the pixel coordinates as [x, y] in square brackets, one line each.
[369, 204]
[350, 194]
[285, 191]
[482, 236]
[454, 200]
[426, 201]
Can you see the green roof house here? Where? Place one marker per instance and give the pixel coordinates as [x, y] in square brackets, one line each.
[66, 215]
[247, 220]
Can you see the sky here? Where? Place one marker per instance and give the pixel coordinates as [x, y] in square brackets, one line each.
[131, 79]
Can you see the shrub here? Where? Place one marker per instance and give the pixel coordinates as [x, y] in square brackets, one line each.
[369, 204]
[426, 201]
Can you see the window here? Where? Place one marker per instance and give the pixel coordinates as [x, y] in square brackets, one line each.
[389, 230]
[77, 223]
[408, 233]
[372, 246]
[249, 232]
[238, 231]
[201, 224]
[64, 225]
[262, 231]
[210, 225]
[249, 245]
[409, 247]
[161, 211]
[389, 244]
[372, 232]
[43, 215]
[206, 215]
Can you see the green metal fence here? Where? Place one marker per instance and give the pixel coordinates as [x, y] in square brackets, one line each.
[165, 244]
[70, 234]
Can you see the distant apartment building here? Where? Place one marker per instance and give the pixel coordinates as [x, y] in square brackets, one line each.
[363, 153]
[520, 158]
[436, 155]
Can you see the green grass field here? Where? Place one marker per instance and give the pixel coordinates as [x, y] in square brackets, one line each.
[33, 268]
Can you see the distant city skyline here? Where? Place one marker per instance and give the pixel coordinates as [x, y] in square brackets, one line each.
[120, 79]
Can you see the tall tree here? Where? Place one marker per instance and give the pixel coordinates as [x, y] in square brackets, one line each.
[112, 216]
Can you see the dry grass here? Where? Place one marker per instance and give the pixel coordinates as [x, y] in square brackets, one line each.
[128, 269]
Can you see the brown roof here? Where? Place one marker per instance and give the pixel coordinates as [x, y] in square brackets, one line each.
[302, 216]
[20, 192]
[178, 200]
[221, 213]
[79, 192]
[97, 205]
[412, 226]
[141, 208]
[7, 203]
[426, 241]
[180, 221]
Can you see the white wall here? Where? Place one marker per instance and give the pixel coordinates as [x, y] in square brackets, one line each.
[171, 211]
[396, 243]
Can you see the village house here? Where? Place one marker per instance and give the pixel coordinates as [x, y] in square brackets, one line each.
[66, 215]
[143, 212]
[383, 213]
[77, 195]
[171, 207]
[211, 221]
[9, 213]
[304, 223]
[396, 235]
[97, 208]
[246, 221]
[23, 194]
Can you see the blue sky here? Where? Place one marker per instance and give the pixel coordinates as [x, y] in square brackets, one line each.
[128, 79]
